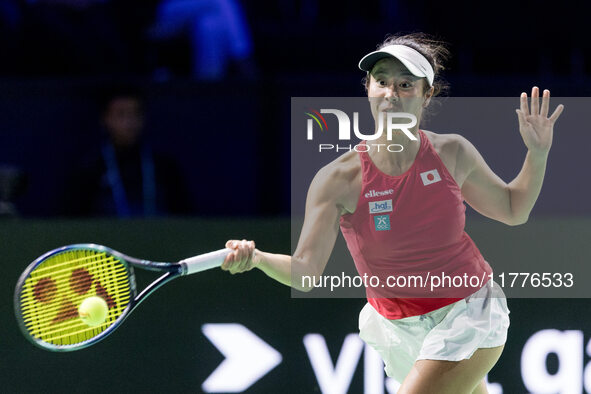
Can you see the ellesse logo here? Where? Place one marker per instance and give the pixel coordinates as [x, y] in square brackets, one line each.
[373, 193]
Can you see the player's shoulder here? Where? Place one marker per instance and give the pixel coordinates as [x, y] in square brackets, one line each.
[455, 149]
[343, 168]
[449, 143]
[445, 140]
[337, 176]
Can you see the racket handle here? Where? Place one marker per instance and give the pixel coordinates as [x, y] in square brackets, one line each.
[204, 262]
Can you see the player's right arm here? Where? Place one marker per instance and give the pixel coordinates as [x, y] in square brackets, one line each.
[324, 206]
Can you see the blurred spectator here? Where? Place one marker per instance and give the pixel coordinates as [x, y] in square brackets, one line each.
[217, 31]
[127, 177]
[12, 184]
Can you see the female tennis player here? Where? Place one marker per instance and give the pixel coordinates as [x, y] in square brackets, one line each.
[415, 221]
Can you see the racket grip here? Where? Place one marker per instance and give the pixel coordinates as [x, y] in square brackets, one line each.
[204, 262]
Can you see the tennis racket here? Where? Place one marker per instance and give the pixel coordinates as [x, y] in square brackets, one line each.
[51, 289]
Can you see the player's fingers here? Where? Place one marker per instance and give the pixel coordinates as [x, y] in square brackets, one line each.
[244, 254]
[235, 263]
[252, 250]
[228, 260]
[556, 113]
[248, 248]
[242, 266]
[232, 262]
[521, 117]
[236, 254]
[523, 103]
[535, 100]
[238, 246]
[240, 259]
[545, 103]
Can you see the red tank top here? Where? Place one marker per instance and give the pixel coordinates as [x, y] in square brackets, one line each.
[412, 224]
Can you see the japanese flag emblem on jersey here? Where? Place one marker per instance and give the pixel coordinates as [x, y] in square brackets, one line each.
[429, 177]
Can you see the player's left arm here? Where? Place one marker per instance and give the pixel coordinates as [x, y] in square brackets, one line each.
[487, 193]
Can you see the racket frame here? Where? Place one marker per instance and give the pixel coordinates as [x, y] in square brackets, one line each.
[171, 271]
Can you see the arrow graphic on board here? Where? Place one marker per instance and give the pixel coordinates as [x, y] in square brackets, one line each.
[248, 358]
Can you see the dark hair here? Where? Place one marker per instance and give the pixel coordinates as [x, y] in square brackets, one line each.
[107, 94]
[434, 50]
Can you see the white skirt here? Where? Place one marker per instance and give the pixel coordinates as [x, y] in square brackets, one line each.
[453, 332]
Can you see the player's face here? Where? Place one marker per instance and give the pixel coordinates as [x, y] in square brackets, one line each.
[124, 120]
[392, 88]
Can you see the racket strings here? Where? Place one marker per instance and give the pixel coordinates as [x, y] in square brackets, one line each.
[57, 303]
[52, 293]
[79, 284]
[93, 259]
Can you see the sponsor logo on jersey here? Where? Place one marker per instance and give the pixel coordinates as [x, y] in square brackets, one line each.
[373, 193]
[381, 222]
[380, 206]
[429, 177]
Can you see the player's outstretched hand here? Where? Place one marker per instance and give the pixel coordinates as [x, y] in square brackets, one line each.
[242, 257]
[535, 126]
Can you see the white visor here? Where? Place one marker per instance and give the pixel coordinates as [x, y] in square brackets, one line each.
[416, 63]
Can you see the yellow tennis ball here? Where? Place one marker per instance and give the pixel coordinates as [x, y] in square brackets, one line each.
[93, 311]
